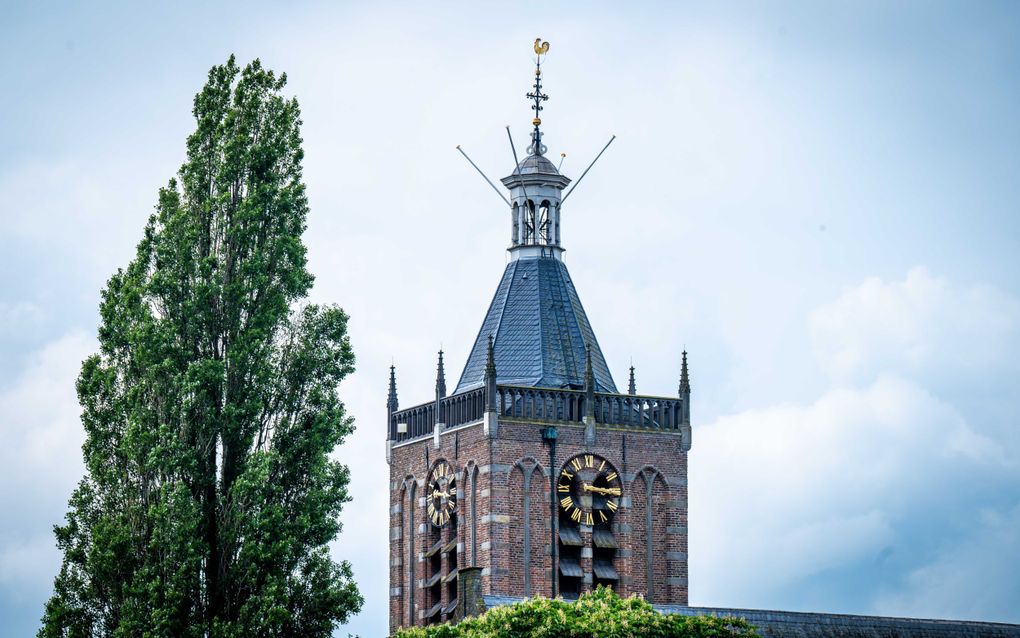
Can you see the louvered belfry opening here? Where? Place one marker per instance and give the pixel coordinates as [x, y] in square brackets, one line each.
[452, 568]
[432, 585]
[571, 575]
[604, 549]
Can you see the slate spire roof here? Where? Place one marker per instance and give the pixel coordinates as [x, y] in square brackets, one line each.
[540, 332]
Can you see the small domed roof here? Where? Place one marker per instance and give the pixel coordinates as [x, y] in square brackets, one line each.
[537, 164]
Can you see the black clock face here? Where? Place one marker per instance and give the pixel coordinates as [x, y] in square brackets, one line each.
[589, 490]
[441, 498]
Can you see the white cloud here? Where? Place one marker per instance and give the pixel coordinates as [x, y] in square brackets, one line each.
[67, 210]
[16, 315]
[923, 325]
[781, 493]
[786, 493]
[41, 460]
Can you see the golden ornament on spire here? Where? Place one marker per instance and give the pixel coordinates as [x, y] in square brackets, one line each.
[541, 48]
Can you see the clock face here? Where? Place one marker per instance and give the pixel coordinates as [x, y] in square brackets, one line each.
[441, 498]
[589, 490]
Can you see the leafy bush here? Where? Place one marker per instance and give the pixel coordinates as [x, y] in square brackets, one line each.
[601, 613]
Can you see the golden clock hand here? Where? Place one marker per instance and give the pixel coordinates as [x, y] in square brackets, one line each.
[612, 491]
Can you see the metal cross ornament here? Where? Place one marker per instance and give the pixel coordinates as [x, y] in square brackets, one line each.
[536, 147]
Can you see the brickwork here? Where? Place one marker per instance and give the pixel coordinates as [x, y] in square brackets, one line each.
[637, 567]
[540, 557]
[659, 590]
[503, 485]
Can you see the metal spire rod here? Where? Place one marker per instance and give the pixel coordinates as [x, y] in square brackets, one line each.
[588, 169]
[517, 166]
[489, 181]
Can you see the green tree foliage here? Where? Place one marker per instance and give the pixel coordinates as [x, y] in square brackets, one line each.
[598, 614]
[212, 407]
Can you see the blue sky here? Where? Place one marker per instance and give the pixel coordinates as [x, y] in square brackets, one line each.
[819, 201]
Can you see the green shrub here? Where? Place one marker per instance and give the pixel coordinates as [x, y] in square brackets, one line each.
[601, 613]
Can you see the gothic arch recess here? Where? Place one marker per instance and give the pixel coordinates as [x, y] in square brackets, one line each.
[398, 520]
[471, 525]
[650, 516]
[408, 551]
[528, 537]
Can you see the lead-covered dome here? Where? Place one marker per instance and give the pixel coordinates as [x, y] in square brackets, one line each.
[537, 164]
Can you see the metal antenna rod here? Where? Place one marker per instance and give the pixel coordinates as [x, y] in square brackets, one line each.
[501, 195]
[517, 166]
[527, 200]
[587, 169]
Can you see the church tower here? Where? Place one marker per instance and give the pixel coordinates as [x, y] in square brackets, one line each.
[536, 476]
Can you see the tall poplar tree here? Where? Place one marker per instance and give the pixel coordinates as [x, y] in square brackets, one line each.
[211, 408]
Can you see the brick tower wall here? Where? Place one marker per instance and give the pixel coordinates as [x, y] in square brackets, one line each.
[514, 551]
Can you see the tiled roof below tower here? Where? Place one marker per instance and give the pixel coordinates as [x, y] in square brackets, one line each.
[540, 331]
[794, 624]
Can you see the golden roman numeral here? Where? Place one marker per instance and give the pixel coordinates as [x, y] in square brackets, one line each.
[567, 474]
[576, 463]
[588, 519]
[576, 516]
[589, 460]
[611, 477]
[611, 505]
[566, 502]
[562, 488]
[603, 516]
[601, 467]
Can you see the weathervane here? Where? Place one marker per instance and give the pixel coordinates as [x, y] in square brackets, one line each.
[537, 147]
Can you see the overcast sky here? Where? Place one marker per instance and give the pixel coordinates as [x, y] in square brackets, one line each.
[819, 201]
